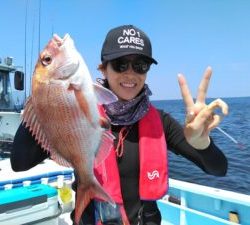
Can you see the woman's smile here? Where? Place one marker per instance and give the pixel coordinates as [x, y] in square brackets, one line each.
[128, 84]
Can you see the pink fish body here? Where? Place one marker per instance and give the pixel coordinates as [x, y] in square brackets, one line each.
[62, 113]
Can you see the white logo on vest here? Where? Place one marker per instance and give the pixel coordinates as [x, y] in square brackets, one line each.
[153, 175]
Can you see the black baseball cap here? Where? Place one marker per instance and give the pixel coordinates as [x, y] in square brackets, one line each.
[126, 40]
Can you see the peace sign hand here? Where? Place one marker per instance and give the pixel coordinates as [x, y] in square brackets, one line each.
[200, 118]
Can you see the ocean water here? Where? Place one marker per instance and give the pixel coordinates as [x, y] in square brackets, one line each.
[237, 125]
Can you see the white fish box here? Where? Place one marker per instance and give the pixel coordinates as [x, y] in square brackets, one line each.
[35, 204]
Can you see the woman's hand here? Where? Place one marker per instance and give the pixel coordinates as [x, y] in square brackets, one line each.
[200, 118]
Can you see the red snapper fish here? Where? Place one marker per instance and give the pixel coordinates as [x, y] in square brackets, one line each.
[62, 113]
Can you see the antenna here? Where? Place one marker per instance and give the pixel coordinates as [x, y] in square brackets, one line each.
[39, 26]
[31, 51]
[25, 48]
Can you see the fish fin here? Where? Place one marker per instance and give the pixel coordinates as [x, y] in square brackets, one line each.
[104, 96]
[84, 196]
[59, 159]
[104, 123]
[30, 119]
[83, 103]
[105, 147]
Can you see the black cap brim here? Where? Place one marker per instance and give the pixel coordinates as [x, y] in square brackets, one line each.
[120, 54]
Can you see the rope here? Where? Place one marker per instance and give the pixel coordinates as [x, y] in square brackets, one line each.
[121, 137]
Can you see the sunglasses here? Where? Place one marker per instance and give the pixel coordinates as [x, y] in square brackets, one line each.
[140, 65]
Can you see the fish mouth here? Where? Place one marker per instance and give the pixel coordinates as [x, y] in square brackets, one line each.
[71, 62]
[60, 41]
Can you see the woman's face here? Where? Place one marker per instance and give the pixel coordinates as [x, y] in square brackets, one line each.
[126, 83]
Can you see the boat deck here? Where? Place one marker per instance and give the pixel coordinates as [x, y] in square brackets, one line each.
[185, 204]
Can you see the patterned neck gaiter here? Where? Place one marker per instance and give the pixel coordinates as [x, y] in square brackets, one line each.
[129, 112]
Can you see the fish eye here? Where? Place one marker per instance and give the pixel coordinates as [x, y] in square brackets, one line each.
[46, 60]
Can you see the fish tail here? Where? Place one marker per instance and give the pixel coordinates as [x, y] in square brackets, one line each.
[85, 194]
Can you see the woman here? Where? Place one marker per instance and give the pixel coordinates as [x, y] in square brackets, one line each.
[138, 163]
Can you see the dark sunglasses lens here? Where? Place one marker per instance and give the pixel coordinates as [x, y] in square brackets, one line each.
[141, 66]
[119, 65]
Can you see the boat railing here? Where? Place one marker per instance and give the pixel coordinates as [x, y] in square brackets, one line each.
[191, 204]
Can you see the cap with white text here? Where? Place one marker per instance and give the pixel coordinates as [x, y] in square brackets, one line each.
[126, 40]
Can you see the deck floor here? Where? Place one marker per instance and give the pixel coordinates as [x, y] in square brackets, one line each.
[64, 219]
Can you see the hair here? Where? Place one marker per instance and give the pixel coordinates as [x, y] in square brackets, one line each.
[102, 66]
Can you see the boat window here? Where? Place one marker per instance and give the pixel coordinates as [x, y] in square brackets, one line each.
[6, 102]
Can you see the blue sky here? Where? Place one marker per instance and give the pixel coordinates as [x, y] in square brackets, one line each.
[186, 36]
